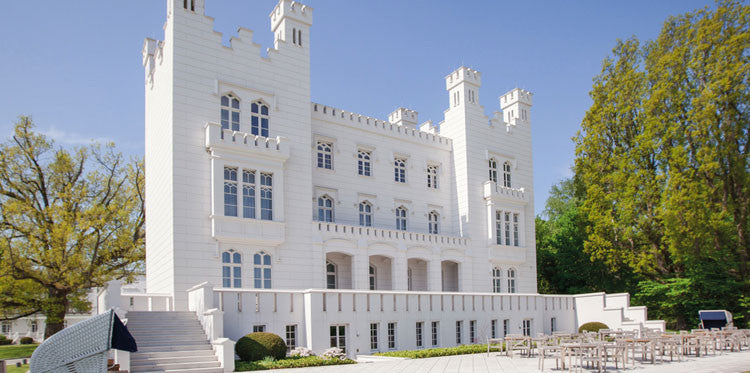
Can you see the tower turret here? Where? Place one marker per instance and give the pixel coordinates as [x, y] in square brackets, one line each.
[404, 117]
[290, 22]
[516, 105]
[463, 86]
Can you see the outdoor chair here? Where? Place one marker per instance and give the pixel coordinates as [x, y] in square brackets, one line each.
[83, 347]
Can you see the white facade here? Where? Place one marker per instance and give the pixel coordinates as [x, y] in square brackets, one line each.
[386, 210]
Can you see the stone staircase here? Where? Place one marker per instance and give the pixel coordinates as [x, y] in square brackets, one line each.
[170, 342]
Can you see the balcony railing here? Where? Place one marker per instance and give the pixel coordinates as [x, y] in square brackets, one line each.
[355, 231]
[496, 191]
[274, 147]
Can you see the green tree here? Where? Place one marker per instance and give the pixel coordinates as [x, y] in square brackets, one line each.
[663, 158]
[70, 221]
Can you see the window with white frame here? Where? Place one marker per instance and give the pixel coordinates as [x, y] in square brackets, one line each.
[230, 191]
[433, 221]
[401, 212]
[338, 336]
[493, 169]
[331, 275]
[432, 177]
[5, 327]
[248, 194]
[507, 228]
[262, 270]
[34, 326]
[516, 241]
[259, 119]
[391, 335]
[373, 273]
[527, 327]
[511, 280]
[496, 280]
[231, 271]
[291, 337]
[373, 336]
[325, 209]
[266, 196]
[459, 332]
[420, 329]
[259, 328]
[230, 112]
[499, 227]
[435, 333]
[473, 331]
[364, 163]
[506, 174]
[365, 214]
[325, 155]
[399, 170]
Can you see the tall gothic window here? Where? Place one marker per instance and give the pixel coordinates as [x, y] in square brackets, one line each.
[373, 277]
[325, 155]
[515, 230]
[496, 280]
[499, 227]
[511, 280]
[230, 112]
[248, 194]
[493, 169]
[365, 214]
[507, 228]
[506, 174]
[433, 217]
[432, 177]
[364, 165]
[262, 270]
[259, 119]
[331, 275]
[325, 209]
[231, 270]
[401, 218]
[230, 191]
[266, 196]
[399, 170]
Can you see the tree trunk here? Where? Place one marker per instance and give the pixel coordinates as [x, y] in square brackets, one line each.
[55, 310]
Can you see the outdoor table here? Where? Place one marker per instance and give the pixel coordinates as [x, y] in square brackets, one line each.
[511, 342]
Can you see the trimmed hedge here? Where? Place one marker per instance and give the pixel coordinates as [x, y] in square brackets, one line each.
[593, 326]
[256, 346]
[435, 352]
[26, 340]
[290, 362]
[4, 340]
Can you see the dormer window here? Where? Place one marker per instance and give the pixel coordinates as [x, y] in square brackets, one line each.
[230, 112]
[259, 119]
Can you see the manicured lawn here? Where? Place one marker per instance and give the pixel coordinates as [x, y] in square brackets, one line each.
[16, 351]
[14, 369]
[290, 362]
[434, 352]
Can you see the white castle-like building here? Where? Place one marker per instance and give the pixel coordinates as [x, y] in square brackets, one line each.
[269, 212]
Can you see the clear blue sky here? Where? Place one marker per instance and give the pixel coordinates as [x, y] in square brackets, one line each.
[76, 65]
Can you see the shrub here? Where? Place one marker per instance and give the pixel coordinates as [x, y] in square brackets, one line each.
[301, 352]
[291, 362]
[256, 346]
[26, 340]
[334, 353]
[440, 351]
[593, 326]
[4, 341]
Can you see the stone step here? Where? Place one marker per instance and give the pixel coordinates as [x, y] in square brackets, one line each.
[175, 334]
[171, 354]
[190, 342]
[189, 370]
[165, 348]
[172, 359]
[170, 340]
[166, 366]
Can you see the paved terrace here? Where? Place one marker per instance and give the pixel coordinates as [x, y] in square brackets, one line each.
[480, 363]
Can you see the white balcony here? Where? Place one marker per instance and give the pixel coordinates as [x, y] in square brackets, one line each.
[335, 230]
[498, 192]
[238, 230]
[276, 148]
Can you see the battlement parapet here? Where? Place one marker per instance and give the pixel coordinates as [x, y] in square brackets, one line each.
[463, 74]
[293, 10]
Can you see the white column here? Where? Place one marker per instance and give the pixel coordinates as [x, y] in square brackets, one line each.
[361, 267]
[399, 269]
[434, 279]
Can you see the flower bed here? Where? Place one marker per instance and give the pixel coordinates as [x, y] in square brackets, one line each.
[435, 352]
[289, 362]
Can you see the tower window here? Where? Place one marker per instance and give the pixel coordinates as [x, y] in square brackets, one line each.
[230, 112]
[364, 165]
[399, 169]
[331, 274]
[325, 209]
[515, 230]
[248, 194]
[499, 227]
[373, 277]
[259, 119]
[294, 36]
[432, 177]
[325, 155]
[433, 218]
[299, 37]
[230, 191]
[496, 280]
[507, 228]
[493, 170]
[506, 174]
[401, 218]
[511, 280]
[365, 214]
[231, 269]
[266, 196]
[262, 270]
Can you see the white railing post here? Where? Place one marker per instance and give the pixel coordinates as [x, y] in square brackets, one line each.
[224, 349]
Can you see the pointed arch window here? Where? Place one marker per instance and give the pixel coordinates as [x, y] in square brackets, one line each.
[373, 277]
[365, 214]
[408, 279]
[262, 270]
[230, 191]
[230, 112]
[506, 174]
[433, 222]
[496, 280]
[231, 270]
[325, 155]
[432, 177]
[331, 275]
[325, 209]
[401, 218]
[493, 170]
[364, 165]
[511, 280]
[259, 118]
[399, 170]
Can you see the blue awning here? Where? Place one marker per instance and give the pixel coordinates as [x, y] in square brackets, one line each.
[713, 315]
